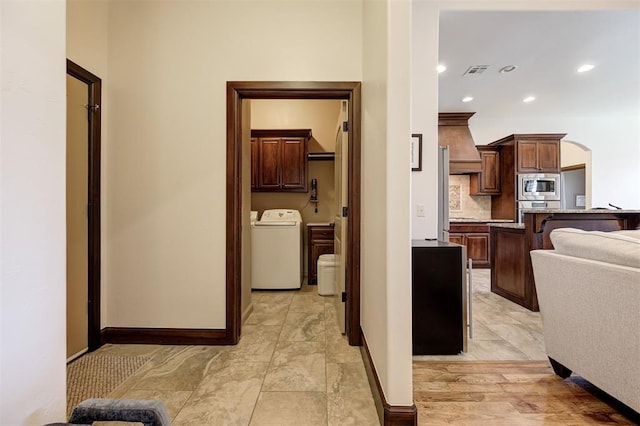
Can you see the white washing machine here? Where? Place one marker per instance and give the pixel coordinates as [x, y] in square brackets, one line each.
[276, 250]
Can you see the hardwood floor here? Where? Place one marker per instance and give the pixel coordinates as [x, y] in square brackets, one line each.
[509, 393]
[505, 378]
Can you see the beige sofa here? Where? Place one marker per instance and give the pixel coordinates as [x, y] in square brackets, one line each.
[589, 295]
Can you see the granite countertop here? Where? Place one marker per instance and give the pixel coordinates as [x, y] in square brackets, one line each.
[320, 224]
[476, 220]
[590, 211]
[507, 225]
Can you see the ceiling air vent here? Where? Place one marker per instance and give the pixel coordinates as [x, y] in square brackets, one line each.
[476, 69]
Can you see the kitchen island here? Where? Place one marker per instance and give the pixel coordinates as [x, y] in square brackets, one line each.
[511, 270]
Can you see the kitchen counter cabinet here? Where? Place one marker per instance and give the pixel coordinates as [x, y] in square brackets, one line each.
[512, 273]
[475, 236]
[320, 238]
[522, 153]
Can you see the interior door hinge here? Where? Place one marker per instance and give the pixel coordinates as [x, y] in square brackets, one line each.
[344, 296]
[345, 126]
[345, 211]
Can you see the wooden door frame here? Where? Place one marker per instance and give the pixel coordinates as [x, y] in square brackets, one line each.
[237, 91]
[94, 103]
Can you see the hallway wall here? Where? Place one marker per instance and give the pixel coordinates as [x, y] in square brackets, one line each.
[87, 40]
[167, 130]
[32, 212]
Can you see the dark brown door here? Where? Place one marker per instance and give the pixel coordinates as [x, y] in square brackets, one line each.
[83, 206]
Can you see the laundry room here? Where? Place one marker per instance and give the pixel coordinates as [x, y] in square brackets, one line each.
[292, 180]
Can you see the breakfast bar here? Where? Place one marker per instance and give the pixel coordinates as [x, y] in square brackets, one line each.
[511, 270]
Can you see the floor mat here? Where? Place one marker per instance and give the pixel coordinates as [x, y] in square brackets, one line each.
[96, 376]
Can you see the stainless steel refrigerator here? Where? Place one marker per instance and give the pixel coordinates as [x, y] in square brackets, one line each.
[443, 193]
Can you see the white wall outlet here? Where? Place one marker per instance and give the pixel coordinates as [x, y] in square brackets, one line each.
[420, 210]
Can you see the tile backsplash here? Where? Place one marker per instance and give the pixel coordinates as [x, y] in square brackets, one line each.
[461, 204]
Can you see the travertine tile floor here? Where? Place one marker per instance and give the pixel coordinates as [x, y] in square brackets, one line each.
[291, 367]
[502, 330]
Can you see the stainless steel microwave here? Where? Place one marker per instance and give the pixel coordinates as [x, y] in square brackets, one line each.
[539, 186]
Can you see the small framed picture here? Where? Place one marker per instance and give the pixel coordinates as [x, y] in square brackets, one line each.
[416, 152]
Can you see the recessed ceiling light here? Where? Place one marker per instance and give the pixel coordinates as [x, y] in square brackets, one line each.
[507, 69]
[586, 67]
[529, 99]
[467, 99]
[441, 68]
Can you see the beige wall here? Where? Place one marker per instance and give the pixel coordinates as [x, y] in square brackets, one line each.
[573, 153]
[167, 137]
[32, 208]
[87, 41]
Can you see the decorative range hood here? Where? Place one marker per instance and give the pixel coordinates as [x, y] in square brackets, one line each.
[453, 130]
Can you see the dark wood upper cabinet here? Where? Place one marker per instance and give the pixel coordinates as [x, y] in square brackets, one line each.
[522, 153]
[294, 163]
[538, 156]
[279, 163]
[254, 163]
[487, 182]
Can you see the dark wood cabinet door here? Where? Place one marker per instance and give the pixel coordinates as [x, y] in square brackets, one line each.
[539, 156]
[478, 249]
[269, 163]
[254, 163]
[548, 157]
[456, 238]
[281, 164]
[528, 157]
[490, 176]
[320, 242]
[487, 182]
[294, 155]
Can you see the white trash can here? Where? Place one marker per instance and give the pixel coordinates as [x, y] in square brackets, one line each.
[326, 274]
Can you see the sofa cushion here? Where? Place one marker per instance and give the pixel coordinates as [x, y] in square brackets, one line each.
[609, 247]
[635, 233]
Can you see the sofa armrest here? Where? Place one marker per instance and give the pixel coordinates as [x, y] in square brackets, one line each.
[590, 313]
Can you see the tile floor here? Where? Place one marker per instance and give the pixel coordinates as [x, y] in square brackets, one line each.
[291, 367]
[502, 330]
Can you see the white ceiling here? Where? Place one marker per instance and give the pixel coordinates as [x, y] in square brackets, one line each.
[547, 48]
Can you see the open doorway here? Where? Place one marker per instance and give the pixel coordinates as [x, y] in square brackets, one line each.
[84, 92]
[237, 92]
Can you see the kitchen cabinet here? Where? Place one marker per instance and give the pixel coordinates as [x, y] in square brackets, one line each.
[538, 156]
[522, 153]
[279, 160]
[439, 302]
[475, 236]
[320, 241]
[254, 163]
[487, 182]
